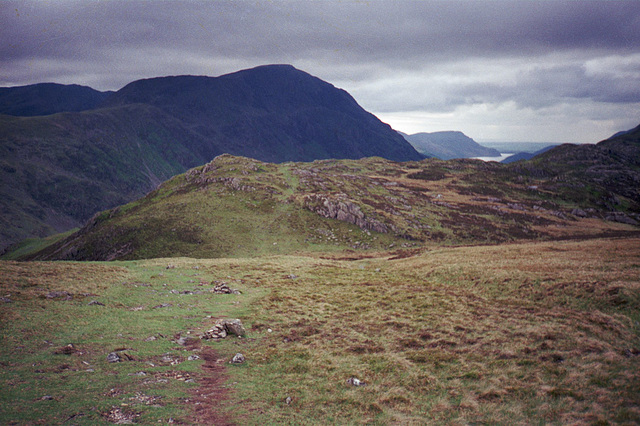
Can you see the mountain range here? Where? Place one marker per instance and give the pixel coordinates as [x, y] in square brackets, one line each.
[237, 206]
[67, 152]
[448, 145]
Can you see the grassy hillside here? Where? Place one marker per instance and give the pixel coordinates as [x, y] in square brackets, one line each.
[236, 206]
[58, 170]
[510, 334]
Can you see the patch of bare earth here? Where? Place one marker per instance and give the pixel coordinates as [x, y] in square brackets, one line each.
[210, 398]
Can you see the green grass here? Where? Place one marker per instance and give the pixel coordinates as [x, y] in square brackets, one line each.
[84, 386]
[32, 245]
[513, 334]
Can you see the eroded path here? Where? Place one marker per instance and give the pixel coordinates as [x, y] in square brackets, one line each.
[212, 394]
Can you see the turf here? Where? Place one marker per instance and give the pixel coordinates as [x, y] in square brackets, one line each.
[529, 333]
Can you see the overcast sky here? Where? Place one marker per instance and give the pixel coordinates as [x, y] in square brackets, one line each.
[556, 71]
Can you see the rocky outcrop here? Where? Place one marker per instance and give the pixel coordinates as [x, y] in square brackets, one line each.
[344, 210]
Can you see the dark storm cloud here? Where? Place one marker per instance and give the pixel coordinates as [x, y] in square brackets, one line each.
[391, 55]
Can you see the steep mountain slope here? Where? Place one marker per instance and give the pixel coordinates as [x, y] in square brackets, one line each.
[235, 206]
[58, 170]
[272, 113]
[448, 145]
[48, 98]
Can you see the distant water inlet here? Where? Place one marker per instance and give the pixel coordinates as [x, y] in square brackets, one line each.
[498, 159]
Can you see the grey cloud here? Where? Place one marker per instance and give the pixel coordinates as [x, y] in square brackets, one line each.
[393, 56]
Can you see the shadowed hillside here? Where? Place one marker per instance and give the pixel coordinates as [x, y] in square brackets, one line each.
[48, 98]
[57, 170]
[235, 206]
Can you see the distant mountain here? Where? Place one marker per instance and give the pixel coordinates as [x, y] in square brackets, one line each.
[520, 156]
[271, 113]
[57, 170]
[448, 145]
[48, 98]
[622, 133]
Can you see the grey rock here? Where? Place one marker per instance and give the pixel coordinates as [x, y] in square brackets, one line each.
[353, 381]
[234, 326]
[238, 359]
[59, 294]
[46, 398]
[163, 305]
[95, 302]
[113, 357]
[620, 218]
[288, 400]
[193, 357]
[223, 288]
[579, 213]
[343, 210]
[185, 340]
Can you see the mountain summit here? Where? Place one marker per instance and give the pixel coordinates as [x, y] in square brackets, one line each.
[272, 113]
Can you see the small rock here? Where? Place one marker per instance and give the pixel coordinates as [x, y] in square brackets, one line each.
[163, 305]
[238, 359]
[269, 330]
[292, 277]
[193, 357]
[59, 294]
[66, 350]
[288, 400]
[223, 288]
[185, 340]
[355, 382]
[95, 302]
[113, 357]
[579, 213]
[150, 339]
[46, 398]
[6, 300]
[139, 373]
[216, 332]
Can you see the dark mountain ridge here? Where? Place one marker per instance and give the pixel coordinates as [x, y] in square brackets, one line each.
[59, 166]
[272, 113]
[49, 98]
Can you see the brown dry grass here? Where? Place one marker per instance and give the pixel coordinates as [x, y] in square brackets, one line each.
[510, 334]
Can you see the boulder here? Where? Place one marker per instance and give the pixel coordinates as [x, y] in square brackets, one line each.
[234, 326]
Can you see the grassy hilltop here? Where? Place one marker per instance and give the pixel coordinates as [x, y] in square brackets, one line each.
[235, 206]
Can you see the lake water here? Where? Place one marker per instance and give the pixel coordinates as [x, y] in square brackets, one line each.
[498, 159]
